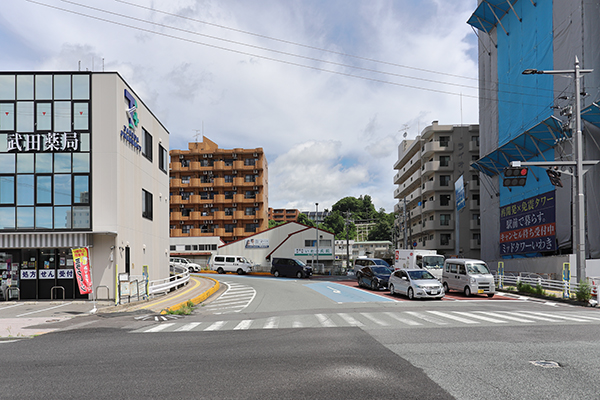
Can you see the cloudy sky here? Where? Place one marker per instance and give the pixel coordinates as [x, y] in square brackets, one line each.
[326, 87]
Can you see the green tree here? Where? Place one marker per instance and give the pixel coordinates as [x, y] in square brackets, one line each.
[303, 219]
[273, 223]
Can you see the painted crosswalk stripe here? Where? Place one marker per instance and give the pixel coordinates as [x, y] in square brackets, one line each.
[159, 328]
[508, 317]
[559, 316]
[426, 318]
[350, 320]
[297, 324]
[401, 319]
[188, 327]
[216, 326]
[453, 317]
[590, 317]
[536, 317]
[374, 319]
[272, 323]
[245, 324]
[481, 317]
[325, 321]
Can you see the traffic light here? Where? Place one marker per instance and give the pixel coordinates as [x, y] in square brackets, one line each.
[554, 177]
[515, 176]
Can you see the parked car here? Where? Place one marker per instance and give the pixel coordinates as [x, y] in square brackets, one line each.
[368, 262]
[184, 262]
[290, 267]
[415, 283]
[223, 264]
[468, 276]
[375, 277]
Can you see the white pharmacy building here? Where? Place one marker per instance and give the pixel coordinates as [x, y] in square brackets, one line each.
[83, 163]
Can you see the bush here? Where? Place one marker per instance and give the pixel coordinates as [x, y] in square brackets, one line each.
[584, 291]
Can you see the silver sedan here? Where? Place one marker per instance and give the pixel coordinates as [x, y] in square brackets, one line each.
[415, 283]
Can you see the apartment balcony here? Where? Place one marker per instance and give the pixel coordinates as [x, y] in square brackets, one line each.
[448, 246]
[473, 204]
[175, 166]
[239, 232]
[473, 186]
[417, 229]
[475, 244]
[176, 233]
[415, 212]
[434, 186]
[436, 225]
[220, 232]
[219, 215]
[218, 198]
[413, 165]
[430, 148]
[474, 146]
[475, 225]
[199, 232]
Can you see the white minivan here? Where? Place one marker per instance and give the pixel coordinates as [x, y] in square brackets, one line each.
[468, 276]
[223, 264]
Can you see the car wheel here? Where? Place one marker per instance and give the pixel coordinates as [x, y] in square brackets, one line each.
[299, 275]
[410, 293]
[446, 290]
[392, 292]
[276, 273]
[374, 285]
[359, 283]
[467, 291]
[220, 270]
[490, 295]
[240, 271]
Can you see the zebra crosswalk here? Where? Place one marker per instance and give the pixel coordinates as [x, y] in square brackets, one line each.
[382, 320]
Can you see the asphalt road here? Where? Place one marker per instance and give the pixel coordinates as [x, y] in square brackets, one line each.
[301, 339]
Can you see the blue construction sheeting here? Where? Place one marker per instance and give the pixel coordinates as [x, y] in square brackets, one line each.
[529, 144]
[591, 114]
[489, 13]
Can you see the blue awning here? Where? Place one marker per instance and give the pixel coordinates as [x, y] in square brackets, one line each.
[489, 13]
[591, 114]
[529, 144]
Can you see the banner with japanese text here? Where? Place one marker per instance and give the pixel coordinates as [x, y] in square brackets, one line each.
[82, 269]
[528, 226]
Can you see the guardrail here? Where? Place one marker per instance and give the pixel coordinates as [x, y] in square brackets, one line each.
[534, 280]
[180, 277]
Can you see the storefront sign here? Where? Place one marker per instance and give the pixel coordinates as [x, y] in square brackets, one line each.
[528, 226]
[28, 274]
[47, 274]
[65, 274]
[311, 251]
[257, 243]
[82, 270]
[50, 142]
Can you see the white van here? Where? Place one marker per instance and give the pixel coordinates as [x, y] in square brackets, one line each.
[468, 276]
[223, 264]
[184, 262]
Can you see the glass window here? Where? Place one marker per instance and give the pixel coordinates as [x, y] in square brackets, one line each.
[62, 217]
[7, 116]
[7, 190]
[147, 145]
[24, 217]
[25, 190]
[444, 180]
[81, 189]
[62, 162]
[43, 87]
[7, 87]
[25, 116]
[24, 87]
[84, 142]
[43, 217]
[445, 219]
[81, 162]
[81, 217]
[62, 116]
[43, 162]
[81, 87]
[43, 116]
[7, 218]
[7, 163]
[80, 117]
[162, 158]
[44, 189]
[25, 163]
[62, 189]
[62, 87]
[146, 204]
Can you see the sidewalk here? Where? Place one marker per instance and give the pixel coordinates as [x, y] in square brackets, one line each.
[197, 290]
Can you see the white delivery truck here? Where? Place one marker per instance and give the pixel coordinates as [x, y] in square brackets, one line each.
[416, 258]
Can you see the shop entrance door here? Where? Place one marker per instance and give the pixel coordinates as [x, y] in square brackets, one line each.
[47, 276]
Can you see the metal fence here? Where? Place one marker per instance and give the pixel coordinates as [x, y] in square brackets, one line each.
[179, 277]
[566, 287]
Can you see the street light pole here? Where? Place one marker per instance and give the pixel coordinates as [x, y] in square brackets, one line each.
[317, 225]
[579, 249]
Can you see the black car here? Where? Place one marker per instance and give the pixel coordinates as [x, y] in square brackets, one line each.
[374, 277]
[290, 267]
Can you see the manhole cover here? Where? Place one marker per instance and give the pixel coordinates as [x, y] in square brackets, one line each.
[545, 364]
[158, 317]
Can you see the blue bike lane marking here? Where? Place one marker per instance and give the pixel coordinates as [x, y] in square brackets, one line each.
[345, 294]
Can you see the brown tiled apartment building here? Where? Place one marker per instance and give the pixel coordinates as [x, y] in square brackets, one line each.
[283, 214]
[218, 192]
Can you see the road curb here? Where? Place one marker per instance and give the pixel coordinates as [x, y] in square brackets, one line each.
[196, 300]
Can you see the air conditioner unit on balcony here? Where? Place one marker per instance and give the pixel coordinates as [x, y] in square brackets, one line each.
[210, 189]
[235, 204]
[210, 156]
[235, 172]
[255, 155]
[234, 155]
[256, 221]
[206, 206]
[234, 188]
[209, 222]
[181, 156]
[205, 155]
[255, 204]
[181, 222]
[205, 172]
[181, 189]
[255, 188]
[255, 171]
[234, 221]
[210, 205]
[182, 206]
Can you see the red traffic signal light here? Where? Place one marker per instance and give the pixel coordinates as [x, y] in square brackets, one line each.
[515, 176]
